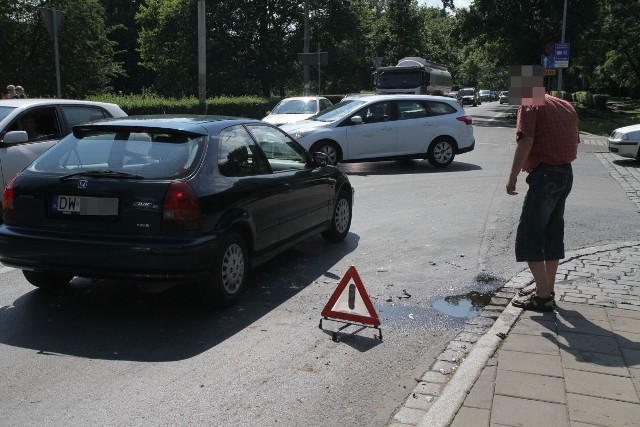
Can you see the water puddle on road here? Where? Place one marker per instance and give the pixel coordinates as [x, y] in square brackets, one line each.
[468, 305]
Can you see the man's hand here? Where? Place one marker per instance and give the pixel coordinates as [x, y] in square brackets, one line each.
[511, 186]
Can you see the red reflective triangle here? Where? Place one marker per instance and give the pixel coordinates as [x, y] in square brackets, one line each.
[351, 303]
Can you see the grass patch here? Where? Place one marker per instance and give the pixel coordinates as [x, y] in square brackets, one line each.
[619, 113]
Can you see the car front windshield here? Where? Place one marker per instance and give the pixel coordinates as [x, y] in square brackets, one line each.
[146, 154]
[338, 111]
[5, 111]
[465, 92]
[296, 106]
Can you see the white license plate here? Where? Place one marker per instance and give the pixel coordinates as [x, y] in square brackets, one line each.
[79, 205]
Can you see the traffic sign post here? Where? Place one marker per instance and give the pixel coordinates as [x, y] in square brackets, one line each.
[53, 20]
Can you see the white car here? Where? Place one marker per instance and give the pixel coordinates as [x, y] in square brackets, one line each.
[297, 108]
[625, 142]
[388, 127]
[28, 127]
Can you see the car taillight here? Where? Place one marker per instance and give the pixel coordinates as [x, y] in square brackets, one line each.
[465, 119]
[7, 199]
[181, 209]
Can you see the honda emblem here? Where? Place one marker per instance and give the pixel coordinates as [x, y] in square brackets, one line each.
[83, 183]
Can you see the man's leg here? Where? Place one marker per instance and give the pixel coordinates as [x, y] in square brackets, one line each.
[551, 267]
[539, 271]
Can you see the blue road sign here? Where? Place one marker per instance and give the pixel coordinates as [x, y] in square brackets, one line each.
[562, 55]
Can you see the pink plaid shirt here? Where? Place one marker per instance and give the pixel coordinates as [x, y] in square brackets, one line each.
[554, 129]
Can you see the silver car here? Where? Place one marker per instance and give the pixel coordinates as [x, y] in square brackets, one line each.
[28, 127]
[625, 142]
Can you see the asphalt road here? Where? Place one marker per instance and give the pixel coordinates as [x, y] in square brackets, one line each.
[104, 353]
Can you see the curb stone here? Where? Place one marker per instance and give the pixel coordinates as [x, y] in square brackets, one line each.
[442, 390]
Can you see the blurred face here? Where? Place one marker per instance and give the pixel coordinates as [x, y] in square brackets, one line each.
[527, 84]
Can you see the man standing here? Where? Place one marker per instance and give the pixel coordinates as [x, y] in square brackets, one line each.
[546, 143]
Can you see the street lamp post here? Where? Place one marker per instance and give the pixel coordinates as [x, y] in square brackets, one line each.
[202, 57]
[306, 46]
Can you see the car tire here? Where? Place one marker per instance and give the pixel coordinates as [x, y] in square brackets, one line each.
[441, 153]
[340, 219]
[47, 280]
[329, 148]
[228, 276]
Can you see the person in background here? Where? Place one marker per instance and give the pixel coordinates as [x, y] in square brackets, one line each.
[546, 143]
[20, 92]
[5, 93]
[12, 91]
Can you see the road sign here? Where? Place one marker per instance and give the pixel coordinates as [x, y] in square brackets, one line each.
[351, 303]
[561, 53]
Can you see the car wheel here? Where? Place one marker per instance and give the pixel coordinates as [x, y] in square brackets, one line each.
[330, 149]
[440, 153]
[47, 280]
[341, 219]
[229, 274]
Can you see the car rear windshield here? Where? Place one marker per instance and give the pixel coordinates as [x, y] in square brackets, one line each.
[156, 154]
[464, 92]
[296, 106]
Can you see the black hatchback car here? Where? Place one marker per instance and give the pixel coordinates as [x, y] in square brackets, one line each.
[197, 199]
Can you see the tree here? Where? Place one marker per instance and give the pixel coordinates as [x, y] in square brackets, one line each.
[87, 62]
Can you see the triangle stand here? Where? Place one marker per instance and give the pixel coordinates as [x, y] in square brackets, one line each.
[351, 306]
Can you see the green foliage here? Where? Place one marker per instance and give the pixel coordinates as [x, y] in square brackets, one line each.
[584, 98]
[600, 100]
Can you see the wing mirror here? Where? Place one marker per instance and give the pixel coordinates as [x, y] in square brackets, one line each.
[15, 137]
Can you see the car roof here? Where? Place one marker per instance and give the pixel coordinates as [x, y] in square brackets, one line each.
[28, 102]
[398, 96]
[304, 98]
[186, 122]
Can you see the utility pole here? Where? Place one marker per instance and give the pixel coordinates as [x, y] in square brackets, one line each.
[202, 57]
[306, 46]
[53, 20]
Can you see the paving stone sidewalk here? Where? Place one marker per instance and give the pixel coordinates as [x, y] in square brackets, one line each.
[578, 366]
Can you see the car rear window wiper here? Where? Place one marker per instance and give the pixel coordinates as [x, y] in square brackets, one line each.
[102, 174]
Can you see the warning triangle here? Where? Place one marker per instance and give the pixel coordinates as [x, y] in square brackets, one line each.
[351, 302]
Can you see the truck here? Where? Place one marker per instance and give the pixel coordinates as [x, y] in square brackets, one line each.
[413, 75]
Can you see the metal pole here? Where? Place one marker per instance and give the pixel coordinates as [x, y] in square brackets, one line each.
[319, 86]
[57, 54]
[202, 58]
[306, 46]
[564, 24]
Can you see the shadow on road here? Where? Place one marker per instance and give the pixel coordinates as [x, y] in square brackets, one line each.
[114, 321]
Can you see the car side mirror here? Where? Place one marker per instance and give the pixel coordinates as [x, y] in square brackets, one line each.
[320, 159]
[15, 137]
[356, 120]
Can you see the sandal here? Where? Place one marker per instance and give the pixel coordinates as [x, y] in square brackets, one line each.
[528, 291]
[535, 303]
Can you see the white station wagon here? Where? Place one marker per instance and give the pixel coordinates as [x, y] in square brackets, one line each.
[388, 127]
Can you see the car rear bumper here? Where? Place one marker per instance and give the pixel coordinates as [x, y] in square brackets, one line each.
[467, 149]
[177, 260]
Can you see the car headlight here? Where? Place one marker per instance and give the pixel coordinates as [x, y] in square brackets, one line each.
[299, 134]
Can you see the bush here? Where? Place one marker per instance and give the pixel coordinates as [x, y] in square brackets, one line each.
[585, 99]
[600, 100]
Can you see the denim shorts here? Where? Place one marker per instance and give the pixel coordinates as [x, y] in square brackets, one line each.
[540, 235]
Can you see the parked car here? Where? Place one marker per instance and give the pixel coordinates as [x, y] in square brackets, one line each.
[625, 142]
[469, 96]
[28, 127]
[504, 97]
[386, 127]
[295, 109]
[171, 199]
[485, 95]
[494, 95]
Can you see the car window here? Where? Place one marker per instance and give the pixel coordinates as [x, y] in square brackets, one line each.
[439, 108]
[238, 154]
[338, 111]
[77, 114]
[149, 154]
[5, 111]
[281, 151]
[376, 112]
[40, 124]
[411, 110]
[324, 104]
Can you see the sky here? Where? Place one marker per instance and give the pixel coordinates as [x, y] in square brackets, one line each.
[438, 3]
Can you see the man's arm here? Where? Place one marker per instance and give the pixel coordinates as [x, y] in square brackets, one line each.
[523, 148]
